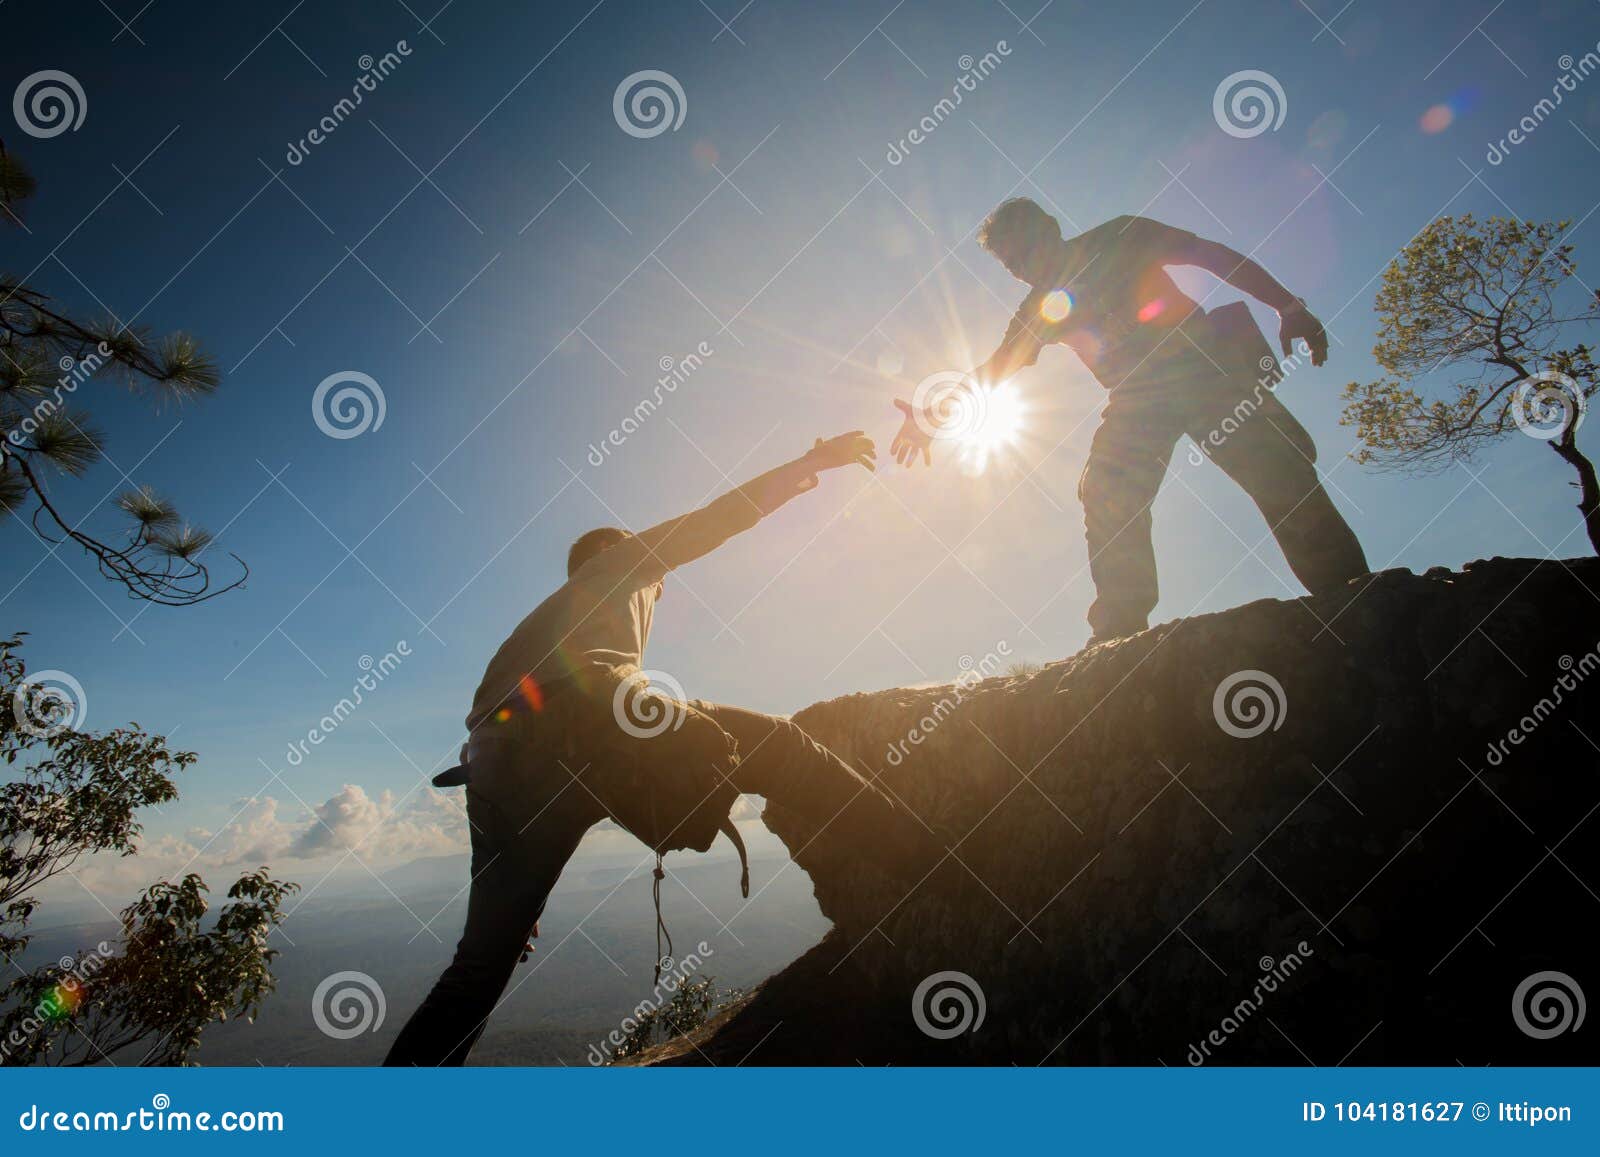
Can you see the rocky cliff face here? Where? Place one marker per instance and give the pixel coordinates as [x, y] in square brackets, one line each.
[1325, 830]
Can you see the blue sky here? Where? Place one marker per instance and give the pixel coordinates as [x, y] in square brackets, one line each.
[487, 190]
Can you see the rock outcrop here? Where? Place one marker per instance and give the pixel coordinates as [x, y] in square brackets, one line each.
[1344, 829]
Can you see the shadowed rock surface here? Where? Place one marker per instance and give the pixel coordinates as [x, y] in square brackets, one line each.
[1125, 872]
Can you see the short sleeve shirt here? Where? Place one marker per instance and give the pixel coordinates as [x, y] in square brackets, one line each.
[1111, 301]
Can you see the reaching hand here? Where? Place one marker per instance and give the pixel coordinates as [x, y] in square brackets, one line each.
[854, 448]
[1297, 323]
[911, 438]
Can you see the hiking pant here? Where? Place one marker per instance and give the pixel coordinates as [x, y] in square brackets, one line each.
[1221, 395]
[528, 810]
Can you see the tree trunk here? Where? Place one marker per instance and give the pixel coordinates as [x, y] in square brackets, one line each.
[1588, 487]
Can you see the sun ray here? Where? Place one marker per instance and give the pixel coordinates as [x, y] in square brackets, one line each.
[996, 425]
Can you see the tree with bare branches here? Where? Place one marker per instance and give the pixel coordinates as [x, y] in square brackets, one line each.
[46, 433]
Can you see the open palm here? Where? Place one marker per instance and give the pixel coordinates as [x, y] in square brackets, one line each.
[911, 438]
[854, 448]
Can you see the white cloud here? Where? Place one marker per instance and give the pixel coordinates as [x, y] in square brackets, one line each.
[256, 834]
[429, 824]
[291, 839]
[263, 830]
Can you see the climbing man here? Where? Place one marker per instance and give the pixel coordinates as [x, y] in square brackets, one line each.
[565, 731]
[1171, 368]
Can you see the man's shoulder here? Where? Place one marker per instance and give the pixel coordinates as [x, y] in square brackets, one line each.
[1129, 240]
[1129, 224]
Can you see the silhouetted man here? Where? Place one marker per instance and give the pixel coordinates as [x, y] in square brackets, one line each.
[564, 732]
[1172, 369]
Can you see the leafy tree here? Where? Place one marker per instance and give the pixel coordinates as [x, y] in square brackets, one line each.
[1478, 299]
[45, 357]
[691, 1005]
[76, 794]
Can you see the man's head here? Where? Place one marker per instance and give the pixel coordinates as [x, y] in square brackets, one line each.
[592, 543]
[1023, 238]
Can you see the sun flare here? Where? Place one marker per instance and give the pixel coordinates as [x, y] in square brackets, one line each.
[997, 425]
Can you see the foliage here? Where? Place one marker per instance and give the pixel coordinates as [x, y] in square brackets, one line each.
[1483, 301]
[690, 1007]
[46, 357]
[76, 794]
[1478, 296]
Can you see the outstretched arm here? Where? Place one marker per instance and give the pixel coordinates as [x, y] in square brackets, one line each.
[1018, 348]
[1246, 276]
[690, 536]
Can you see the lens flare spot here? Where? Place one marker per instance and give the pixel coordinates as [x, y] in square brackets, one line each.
[1056, 306]
[528, 687]
[1151, 310]
[1437, 119]
[63, 1000]
[1327, 130]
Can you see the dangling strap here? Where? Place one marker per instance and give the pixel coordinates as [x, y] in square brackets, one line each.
[661, 925]
[731, 830]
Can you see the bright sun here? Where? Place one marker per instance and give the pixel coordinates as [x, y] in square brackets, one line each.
[996, 424]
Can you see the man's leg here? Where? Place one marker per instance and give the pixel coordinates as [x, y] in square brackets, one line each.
[522, 836]
[779, 760]
[1272, 457]
[1127, 461]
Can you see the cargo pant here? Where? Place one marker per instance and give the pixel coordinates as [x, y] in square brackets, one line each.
[1221, 395]
[529, 803]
